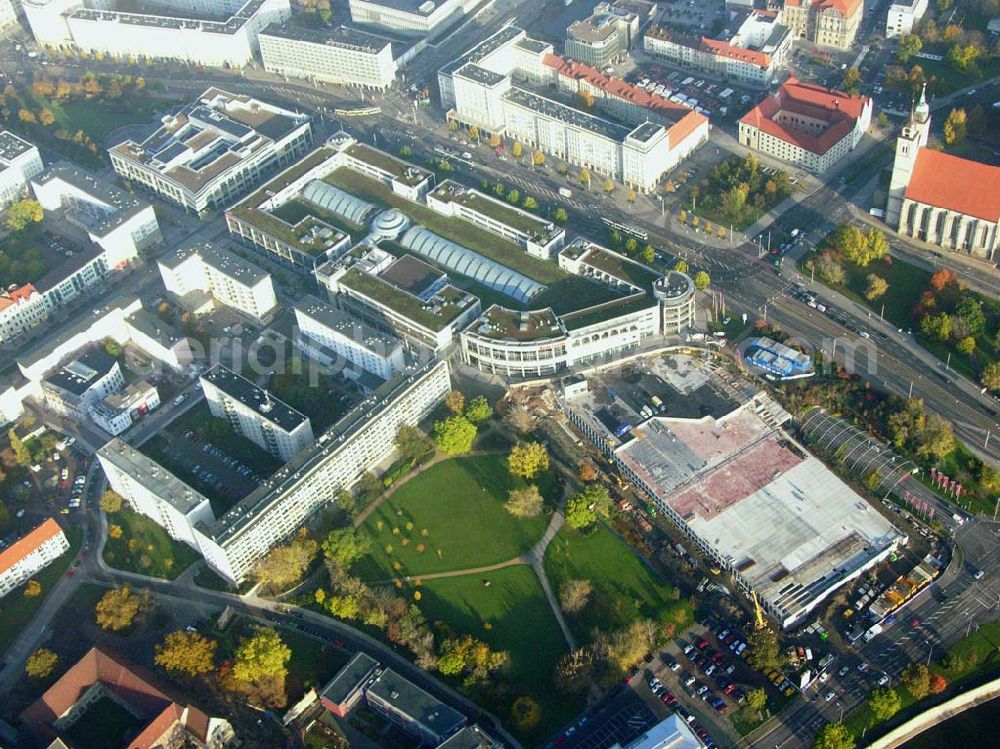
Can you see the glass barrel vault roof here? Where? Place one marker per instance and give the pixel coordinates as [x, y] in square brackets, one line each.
[336, 200]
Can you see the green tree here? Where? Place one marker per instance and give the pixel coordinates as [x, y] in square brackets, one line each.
[596, 498]
[454, 435]
[609, 186]
[559, 216]
[110, 501]
[516, 150]
[22, 456]
[909, 45]
[875, 286]
[833, 736]
[764, 652]
[852, 79]
[186, 653]
[41, 663]
[990, 376]
[681, 266]
[528, 459]
[578, 513]
[648, 254]
[413, 444]
[262, 655]
[538, 159]
[33, 589]
[884, 703]
[757, 699]
[966, 345]
[529, 203]
[702, 280]
[936, 326]
[478, 410]
[574, 595]
[514, 196]
[24, 213]
[285, 565]
[345, 546]
[120, 608]
[525, 502]
[956, 126]
[455, 401]
[344, 607]
[917, 679]
[406, 152]
[971, 311]
[525, 713]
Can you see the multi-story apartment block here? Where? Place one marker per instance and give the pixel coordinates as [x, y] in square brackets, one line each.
[942, 199]
[752, 56]
[21, 308]
[116, 412]
[807, 125]
[405, 296]
[117, 223]
[232, 544]
[214, 150]
[31, 553]
[537, 236]
[480, 86]
[412, 709]
[610, 31]
[410, 17]
[827, 23]
[345, 56]
[903, 16]
[217, 33]
[255, 414]
[333, 337]
[230, 279]
[19, 163]
[71, 389]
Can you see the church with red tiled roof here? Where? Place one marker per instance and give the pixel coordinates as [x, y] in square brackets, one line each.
[942, 199]
[807, 125]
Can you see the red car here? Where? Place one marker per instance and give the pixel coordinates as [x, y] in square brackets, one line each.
[729, 688]
[701, 644]
[717, 659]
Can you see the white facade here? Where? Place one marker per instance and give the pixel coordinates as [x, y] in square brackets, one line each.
[340, 336]
[71, 389]
[20, 160]
[344, 56]
[21, 309]
[253, 412]
[26, 556]
[231, 40]
[233, 281]
[116, 412]
[234, 543]
[414, 17]
[211, 152]
[8, 14]
[903, 16]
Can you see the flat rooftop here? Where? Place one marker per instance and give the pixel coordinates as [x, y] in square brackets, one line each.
[225, 262]
[416, 7]
[347, 325]
[254, 397]
[414, 702]
[479, 74]
[110, 206]
[434, 314]
[155, 477]
[567, 114]
[80, 374]
[342, 37]
[349, 678]
[412, 275]
[12, 146]
[508, 324]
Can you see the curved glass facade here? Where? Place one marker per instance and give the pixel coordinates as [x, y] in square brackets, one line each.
[469, 263]
[334, 199]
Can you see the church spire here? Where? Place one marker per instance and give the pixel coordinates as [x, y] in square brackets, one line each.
[923, 112]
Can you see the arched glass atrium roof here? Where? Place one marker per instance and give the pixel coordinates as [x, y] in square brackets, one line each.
[469, 263]
[336, 200]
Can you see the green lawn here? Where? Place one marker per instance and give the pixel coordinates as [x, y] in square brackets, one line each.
[948, 78]
[624, 587]
[460, 504]
[457, 230]
[155, 553]
[520, 622]
[16, 610]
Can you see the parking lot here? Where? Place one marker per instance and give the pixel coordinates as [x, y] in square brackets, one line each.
[622, 718]
[692, 88]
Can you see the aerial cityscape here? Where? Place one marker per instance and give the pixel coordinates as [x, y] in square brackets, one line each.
[488, 374]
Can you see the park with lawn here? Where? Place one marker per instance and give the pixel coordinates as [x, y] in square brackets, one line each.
[140, 545]
[624, 587]
[736, 192]
[451, 516]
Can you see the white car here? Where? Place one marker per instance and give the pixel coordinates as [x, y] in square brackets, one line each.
[829, 696]
[883, 680]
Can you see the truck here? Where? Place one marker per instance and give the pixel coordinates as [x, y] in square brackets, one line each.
[565, 192]
[872, 632]
[660, 407]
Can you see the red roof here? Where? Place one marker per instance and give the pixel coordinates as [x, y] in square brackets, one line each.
[20, 294]
[725, 49]
[845, 8]
[685, 120]
[946, 181]
[838, 109]
[24, 546]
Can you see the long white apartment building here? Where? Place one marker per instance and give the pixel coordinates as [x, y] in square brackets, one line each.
[214, 150]
[20, 161]
[230, 279]
[503, 86]
[752, 55]
[30, 554]
[903, 16]
[346, 56]
[253, 412]
[411, 17]
[331, 336]
[233, 543]
[21, 308]
[218, 33]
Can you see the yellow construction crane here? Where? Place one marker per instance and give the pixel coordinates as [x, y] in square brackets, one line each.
[758, 612]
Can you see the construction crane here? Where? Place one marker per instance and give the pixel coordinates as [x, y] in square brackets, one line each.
[758, 612]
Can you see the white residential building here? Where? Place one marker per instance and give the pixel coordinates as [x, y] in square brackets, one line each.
[116, 412]
[230, 279]
[214, 150]
[254, 413]
[19, 162]
[609, 32]
[903, 16]
[21, 309]
[217, 33]
[8, 13]
[78, 384]
[232, 544]
[346, 56]
[411, 17]
[30, 554]
[332, 336]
